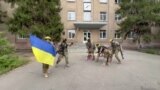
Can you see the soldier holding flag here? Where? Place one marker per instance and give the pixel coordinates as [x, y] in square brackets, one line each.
[44, 52]
[45, 67]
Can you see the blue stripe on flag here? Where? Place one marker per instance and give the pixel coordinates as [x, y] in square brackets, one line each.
[42, 44]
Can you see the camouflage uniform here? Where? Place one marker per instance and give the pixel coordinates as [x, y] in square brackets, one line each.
[45, 67]
[104, 51]
[91, 48]
[100, 51]
[116, 48]
[107, 55]
[63, 52]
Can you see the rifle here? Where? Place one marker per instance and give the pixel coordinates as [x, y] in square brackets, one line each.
[121, 52]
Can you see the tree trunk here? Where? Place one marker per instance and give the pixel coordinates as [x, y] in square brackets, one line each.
[139, 43]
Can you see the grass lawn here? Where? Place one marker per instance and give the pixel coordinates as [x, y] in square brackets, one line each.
[10, 62]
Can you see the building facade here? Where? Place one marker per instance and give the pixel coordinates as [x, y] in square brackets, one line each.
[89, 19]
[83, 20]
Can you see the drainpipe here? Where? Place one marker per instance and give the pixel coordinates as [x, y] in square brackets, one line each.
[108, 21]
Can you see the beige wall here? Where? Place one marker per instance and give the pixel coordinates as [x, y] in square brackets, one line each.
[77, 6]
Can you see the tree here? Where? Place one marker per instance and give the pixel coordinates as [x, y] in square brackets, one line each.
[138, 17]
[39, 17]
[3, 15]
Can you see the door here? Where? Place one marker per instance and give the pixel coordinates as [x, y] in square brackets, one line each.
[86, 36]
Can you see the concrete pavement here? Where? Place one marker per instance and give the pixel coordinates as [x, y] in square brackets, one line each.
[139, 71]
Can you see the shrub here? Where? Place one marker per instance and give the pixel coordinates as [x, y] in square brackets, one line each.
[8, 60]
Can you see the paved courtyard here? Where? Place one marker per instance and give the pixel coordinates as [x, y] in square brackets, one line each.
[138, 71]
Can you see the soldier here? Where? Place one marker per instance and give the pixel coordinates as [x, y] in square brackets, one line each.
[45, 67]
[107, 55]
[100, 52]
[116, 48]
[63, 52]
[91, 48]
[104, 51]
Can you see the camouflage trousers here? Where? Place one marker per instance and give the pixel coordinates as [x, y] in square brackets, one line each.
[116, 55]
[108, 55]
[45, 68]
[65, 55]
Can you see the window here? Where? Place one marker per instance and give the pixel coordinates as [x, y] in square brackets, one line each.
[86, 0]
[87, 16]
[71, 0]
[22, 37]
[71, 34]
[117, 35]
[87, 7]
[130, 35]
[117, 1]
[103, 16]
[102, 34]
[117, 17]
[103, 1]
[71, 16]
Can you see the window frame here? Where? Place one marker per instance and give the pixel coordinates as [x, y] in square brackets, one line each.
[103, 1]
[117, 1]
[84, 16]
[117, 35]
[101, 34]
[130, 35]
[102, 15]
[117, 17]
[71, 0]
[87, 1]
[85, 4]
[22, 37]
[70, 17]
[71, 33]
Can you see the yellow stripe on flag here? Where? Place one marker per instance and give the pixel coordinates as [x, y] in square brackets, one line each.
[43, 57]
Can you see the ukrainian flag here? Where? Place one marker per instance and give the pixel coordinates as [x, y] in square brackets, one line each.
[43, 51]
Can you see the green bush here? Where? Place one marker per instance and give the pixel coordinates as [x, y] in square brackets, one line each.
[8, 60]
[147, 38]
[5, 47]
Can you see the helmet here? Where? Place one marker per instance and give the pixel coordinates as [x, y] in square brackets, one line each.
[47, 38]
[64, 40]
[110, 40]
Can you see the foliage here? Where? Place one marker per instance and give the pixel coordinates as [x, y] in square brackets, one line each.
[3, 15]
[5, 47]
[39, 17]
[8, 60]
[138, 17]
